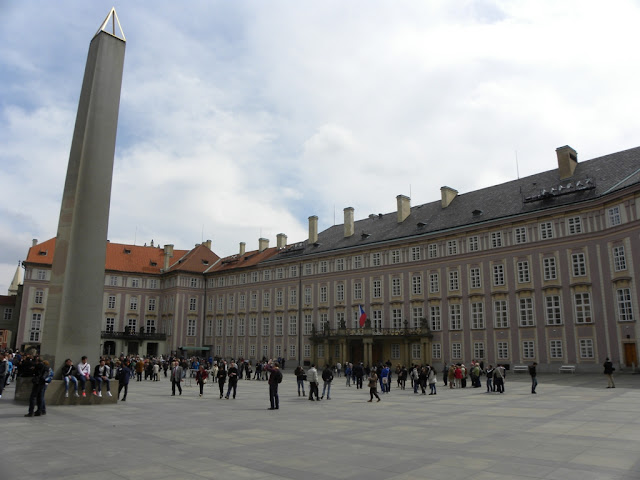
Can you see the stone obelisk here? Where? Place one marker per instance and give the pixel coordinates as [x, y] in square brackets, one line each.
[73, 316]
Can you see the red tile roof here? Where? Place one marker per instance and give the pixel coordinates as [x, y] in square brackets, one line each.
[135, 258]
[8, 300]
[249, 259]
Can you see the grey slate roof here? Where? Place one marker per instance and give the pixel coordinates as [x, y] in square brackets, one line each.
[596, 178]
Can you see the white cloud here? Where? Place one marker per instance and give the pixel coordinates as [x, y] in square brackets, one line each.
[239, 120]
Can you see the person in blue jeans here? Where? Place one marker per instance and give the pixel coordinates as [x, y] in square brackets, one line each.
[534, 379]
[327, 377]
[48, 376]
[69, 375]
[384, 379]
[299, 373]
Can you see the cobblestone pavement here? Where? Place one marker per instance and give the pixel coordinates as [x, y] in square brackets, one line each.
[573, 428]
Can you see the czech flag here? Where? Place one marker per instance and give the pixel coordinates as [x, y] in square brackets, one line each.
[363, 316]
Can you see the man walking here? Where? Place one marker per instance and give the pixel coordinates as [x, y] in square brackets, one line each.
[534, 380]
[275, 378]
[608, 371]
[233, 380]
[312, 376]
[176, 378]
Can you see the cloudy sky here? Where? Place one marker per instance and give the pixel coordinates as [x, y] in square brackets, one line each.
[241, 119]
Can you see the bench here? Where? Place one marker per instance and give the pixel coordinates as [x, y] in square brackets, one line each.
[567, 369]
[520, 368]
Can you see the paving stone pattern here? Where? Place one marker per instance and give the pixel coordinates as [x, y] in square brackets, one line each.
[573, 428]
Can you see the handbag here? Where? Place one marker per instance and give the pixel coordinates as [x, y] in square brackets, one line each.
[304, 377]
[385, 380]
[204, 380]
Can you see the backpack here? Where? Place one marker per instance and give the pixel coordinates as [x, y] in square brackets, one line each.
[278, 378]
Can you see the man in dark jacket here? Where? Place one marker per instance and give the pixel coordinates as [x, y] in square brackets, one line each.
[533, 373]
[608, 371]
[327, 377]
[233, 380]
[69, 375]
[358, 372]
[39, 379]
[123, 374]
[275, 377]
[221, 377]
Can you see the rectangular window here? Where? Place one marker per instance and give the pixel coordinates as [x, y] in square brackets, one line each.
[320, 351]
[434, 282]
[528, 349]
[231, 301]
[193, 283]
[586, 348]
[478, 350]
[292, 351]
[229, 326]
[503, 350]
[293, 296]
[579, 264]
[293, 271]
[209, 304]
[525, 312]
[133, 303]
[265, 351]
[41, 274]
[455, 317]
[231, 280]
[614, 216]
[324, 266]
[193, 304]
[221, 282]
[111, 302]
[241, 321]
[417, 314]
[110, 324]
[135, 283]
[219, 350]
[340, 292]
[552, 304]
[8, 313]
[36, 325]
[416, 253]
[377, 320]
[498, 275]
[152, 305]
[339, 264]
[219, 326]
[191, 327]
[574, 225]
[454, 283]
[436, 351]
[279, 298]
[254, 300]
[307, 350]
[395, 256]
[242, 301]
[252, 351]
[496, 239]
[416, 351]
[416, 284]
[209, 332]
[254, 277]
[456, 351]
[357, 261]
[279, 273]
[523, 272]
[433, 250]
[253, 326]
[452, 247]
[396, 289]
[357, 291]
[520, 235]
[396, 318]
[546, 231]
[474, 277]
[279, 324]
[582, 304]
[376, 259]
[377, 288]
[395, 351]
[308, 269]
[266, 299]
[266, 327]
[266, 275]
[113, 281]
[477, 315]
[619, 259]
[625, 307]
[132, 323]
[550, 272]
[151, 325]
[153, 283]
[500, 314]
[435, 318]
[473, 244]
[308, 322]
[307, 295]
[555, 348]
[240, 350]
[339, 318]
[293, 325]
[323, 294]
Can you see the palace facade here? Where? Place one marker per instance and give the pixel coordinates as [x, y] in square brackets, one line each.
[537, 269]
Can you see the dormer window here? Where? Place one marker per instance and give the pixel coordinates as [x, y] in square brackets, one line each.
[127, 251]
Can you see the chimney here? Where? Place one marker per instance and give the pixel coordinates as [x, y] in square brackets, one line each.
[206, 244]
[448, 194]
[281, 241]
[263, 244]
[348, 222]
[404, 207]
[242, 248]
[313, 229]
[567, 161]
[34, 242]
[168, 253]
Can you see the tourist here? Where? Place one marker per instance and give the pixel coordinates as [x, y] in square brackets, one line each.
[432, 379]
[176, 378]
[201, 378]
[498, 378]
[608, 371]
[534, 380]
[327, 377]
[221, 377]
[348, 373]
[233, 380]
[83, 373]
[300, 378]
[4, 371]
[373, 385]
[312, 376]
[123, 374]
[275, 378]
[489, 373]
[101, 374]
[358, 372]
[69, 375]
